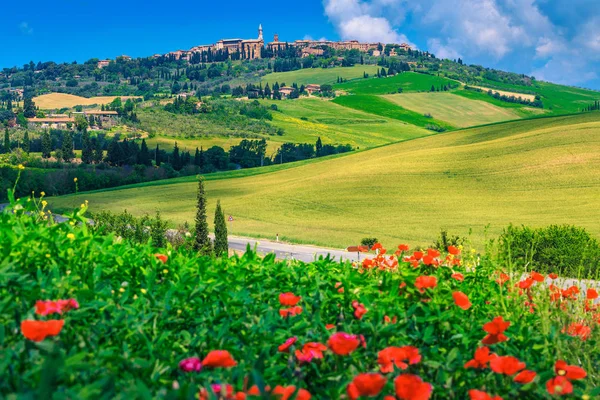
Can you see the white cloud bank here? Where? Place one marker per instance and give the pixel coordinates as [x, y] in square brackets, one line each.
[534, 36]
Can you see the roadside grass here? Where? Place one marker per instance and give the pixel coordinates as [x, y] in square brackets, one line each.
[455, 110]
[319, 76]
[472, 182]
[379, 105]
[408, 81]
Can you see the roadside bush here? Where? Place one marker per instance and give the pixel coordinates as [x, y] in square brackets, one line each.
[368, 241]
[564, 249]
[446, 240]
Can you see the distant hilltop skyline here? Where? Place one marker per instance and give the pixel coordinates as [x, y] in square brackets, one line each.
[251, 49]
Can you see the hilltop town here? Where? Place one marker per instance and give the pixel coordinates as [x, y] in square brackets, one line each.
[251, 49]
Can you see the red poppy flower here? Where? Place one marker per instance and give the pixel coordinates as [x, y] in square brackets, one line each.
[453, 250]
[161, 257]
[190, 364]
[559, 385]
[507, 365]
[289, 299]
[255, 391]
[571, 293]
[428, 260]
[310, 351]
[461, 300]
[503, 279]
[218, 359]
[288, 343]
[290, 312]
[286, 393]
[412, 387]
[389, 320]
[570, 372]
[368, 385]
[481, 359]
[424, 282]
[525, 377]
[481, 395]
[526, 284]
[403, 247]
[359, 309]
[581, 330]
[377, 246]
[59, 306]
[342, 343]
[38, 330]
[495, 330]
[591, 294]
[417, 255]
[397, 356]
[537, 276]
[552, 275]
[329, 326]
[458, 277]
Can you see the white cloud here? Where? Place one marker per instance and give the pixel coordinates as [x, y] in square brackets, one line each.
[540, 37]
[25, 28]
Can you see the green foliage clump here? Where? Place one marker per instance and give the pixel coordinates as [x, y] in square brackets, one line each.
[564, 249]
[368, 241]
[137, 230]
[202, 241]
[139, 316]
[221, 243]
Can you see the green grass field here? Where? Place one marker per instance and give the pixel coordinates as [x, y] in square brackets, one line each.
[378, 105]
[408, 81]
[319, 76]
[455, 110]
[534, 172]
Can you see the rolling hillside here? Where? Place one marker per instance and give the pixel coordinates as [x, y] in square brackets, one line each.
[534, 172]
[54, 101]
[319, 76]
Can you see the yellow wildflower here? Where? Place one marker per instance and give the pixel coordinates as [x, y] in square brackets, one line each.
[75, 180]
[42, 194]
[21, 167]
[165, 271]
[144, 291]
[122, 290]
[71, 236]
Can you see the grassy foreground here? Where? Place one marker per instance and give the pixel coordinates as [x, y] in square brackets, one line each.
[135, 325]
[533, 172]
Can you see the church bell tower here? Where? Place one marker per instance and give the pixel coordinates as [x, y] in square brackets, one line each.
[260, 32]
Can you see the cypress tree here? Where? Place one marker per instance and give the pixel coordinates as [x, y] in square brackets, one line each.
[319, 147]
[26, 142]
[143, 156]
[98, 153]
[176, 161]
[46, 144]
[6, 141]
[157, 156]
[86, 148]
[67, 147]
[201, 241]
[221, 244]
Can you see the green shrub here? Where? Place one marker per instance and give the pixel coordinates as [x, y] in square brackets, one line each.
[368, 242]
[564, 249]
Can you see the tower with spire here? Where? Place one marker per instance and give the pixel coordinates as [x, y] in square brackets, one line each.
[260, 32]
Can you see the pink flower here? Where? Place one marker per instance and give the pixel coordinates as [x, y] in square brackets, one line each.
[190, 364]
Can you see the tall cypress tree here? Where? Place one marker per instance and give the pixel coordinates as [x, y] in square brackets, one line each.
[197, 158]
[319, 147]
[86, 148]
[6, 141]
[46, 144]
[67, 147]
[143, 156]
[221, 244]
[157, 160]
[202, 241]
[98, 153]
[26, 143]
[176, 158]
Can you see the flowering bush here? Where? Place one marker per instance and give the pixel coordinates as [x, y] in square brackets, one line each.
[85, 316]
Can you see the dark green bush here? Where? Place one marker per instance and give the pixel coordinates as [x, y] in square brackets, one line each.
[564, 249]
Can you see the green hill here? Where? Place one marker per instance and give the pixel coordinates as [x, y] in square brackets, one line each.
[408, 81]
[534, 172]
[319, 76]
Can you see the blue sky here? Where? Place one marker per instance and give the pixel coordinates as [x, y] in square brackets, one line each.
[555, 40]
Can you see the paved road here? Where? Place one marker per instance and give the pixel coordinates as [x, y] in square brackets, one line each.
[290, 251]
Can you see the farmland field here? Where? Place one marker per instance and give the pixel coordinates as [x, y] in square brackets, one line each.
[54, 101]
[455, 110]
[378, 105]
[408, 81]
[534, 172]
[319, 76]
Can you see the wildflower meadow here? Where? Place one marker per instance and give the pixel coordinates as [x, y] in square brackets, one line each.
[84, 315]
